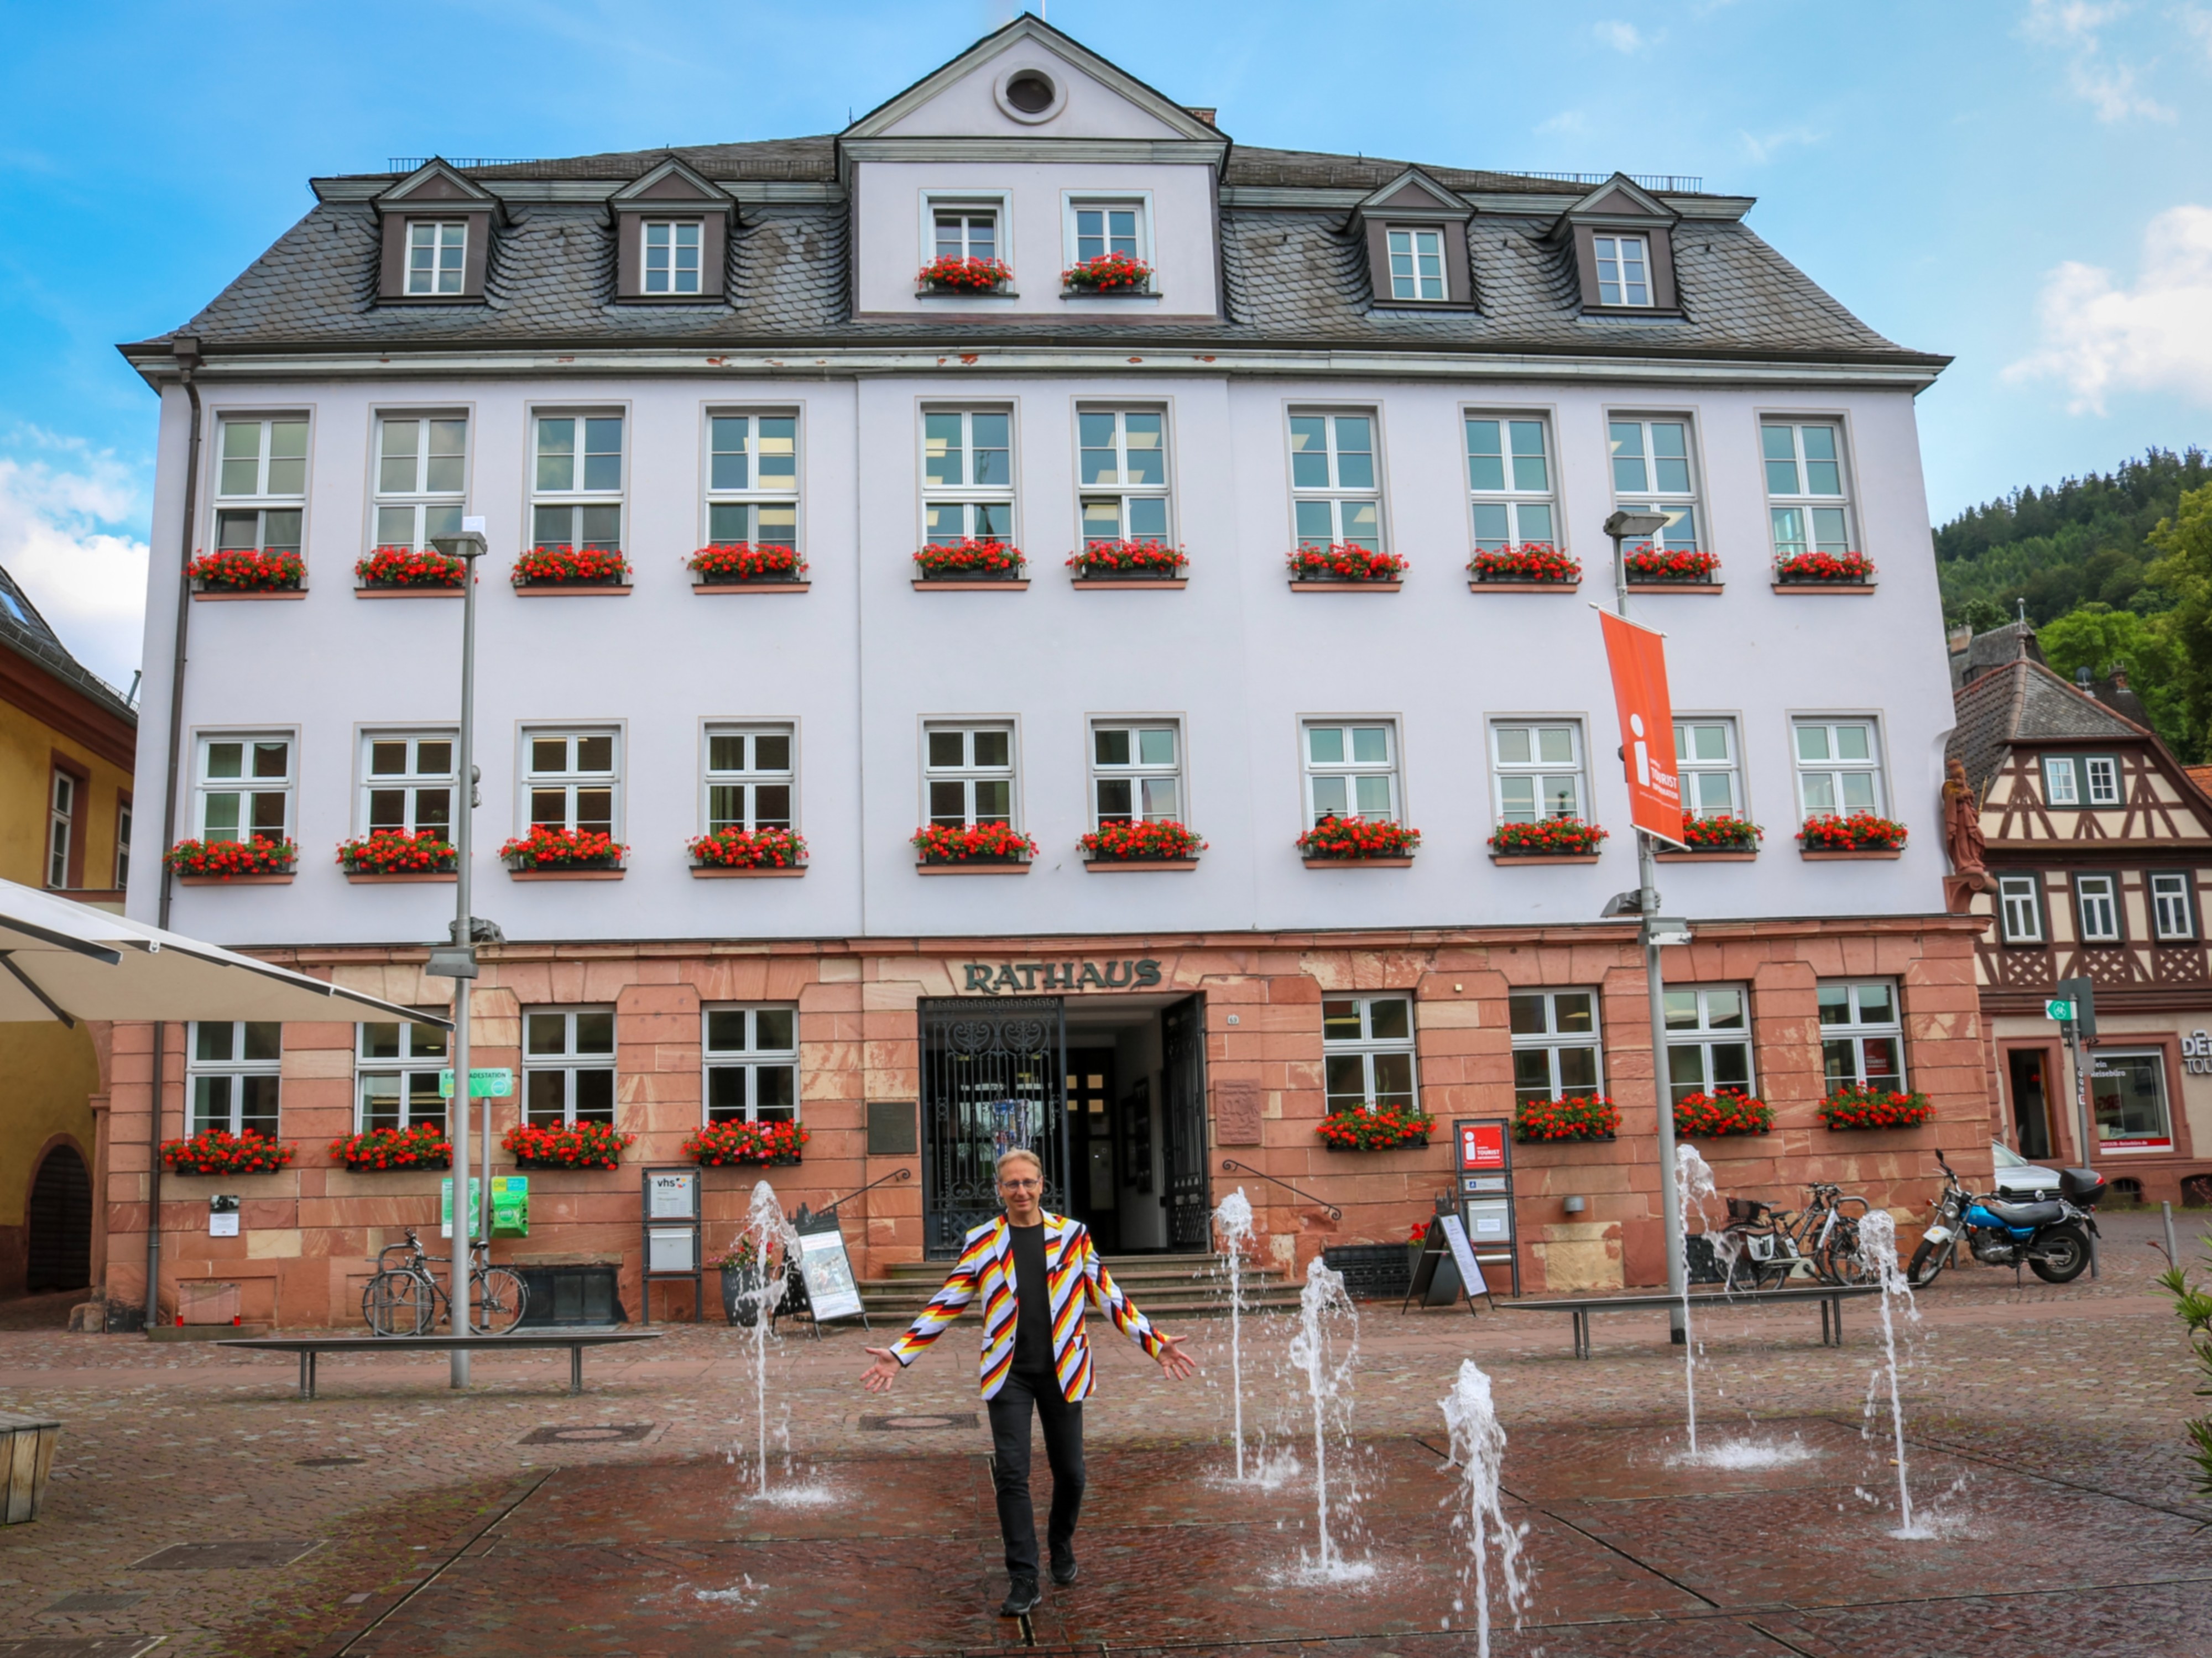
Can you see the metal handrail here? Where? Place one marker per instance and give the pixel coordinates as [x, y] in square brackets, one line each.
[1230, 1166]
[896, 1175]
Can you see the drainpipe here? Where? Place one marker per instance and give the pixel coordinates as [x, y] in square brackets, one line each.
[187, 349]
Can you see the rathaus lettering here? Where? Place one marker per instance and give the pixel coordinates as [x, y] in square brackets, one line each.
[1061, 975]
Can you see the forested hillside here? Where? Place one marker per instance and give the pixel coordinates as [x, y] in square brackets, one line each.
[2117, 573]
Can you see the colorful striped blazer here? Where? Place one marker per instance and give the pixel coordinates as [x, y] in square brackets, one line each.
[1073, 1274]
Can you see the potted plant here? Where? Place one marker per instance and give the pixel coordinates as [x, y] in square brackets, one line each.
[572, 566]
[1358, 840]
[760, 849]
[219, 1151]
[1584, 1117]
[247, 570]
[393, 568]
[1141, 559]
[1547, 837]
[1824, 570]
[1862, 831]
[742, 564]
[576, 1145]
[1710, 1116]
[225, 860]
[1345, 563]
[1532, 564]
[1108, 273]
[969, 561]
[1356, 1129]
[395, 852]
[1664, 564]
[545, 849]
[940, 844]
[949, 274]
[1159, 842]
[1856, 1107]
[423, 1145]
[721, 1144]
[1723, 832]
[743, 1282]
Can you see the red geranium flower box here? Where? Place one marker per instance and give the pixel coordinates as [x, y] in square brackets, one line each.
[1159, 841]
[220, 859]
[1352, 839]
[1533, 560]
[761, 848]
[1547, 837]
[1709, 1116]
[395, 852]
[1343, 560]
[1723, 834]
[1584, 1117]
[720, 1144]
[579, 1145]
[1853, 1106]
[958, 276]
[219, 1151]
[1678, 564]
[1860, 832]
[970, 561]
[248, 570]
[1847, 569]
[572, 566]
[977, 843]
[404, 567]
[736, 562]
[1129, 558]
[552, 848]
[1358, 1129]
[424, 1145]
[1109, 273]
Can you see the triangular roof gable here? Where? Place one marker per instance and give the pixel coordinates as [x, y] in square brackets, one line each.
[883, 120]
[435, 183]
[671, 181]
[1621, 197]
[1414, 192]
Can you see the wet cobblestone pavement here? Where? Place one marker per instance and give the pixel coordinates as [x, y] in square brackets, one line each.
[2044, 1449]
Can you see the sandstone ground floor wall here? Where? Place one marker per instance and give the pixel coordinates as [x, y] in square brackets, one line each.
[308, 1232]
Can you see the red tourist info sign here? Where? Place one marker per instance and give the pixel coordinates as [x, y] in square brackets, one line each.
[1637, 657]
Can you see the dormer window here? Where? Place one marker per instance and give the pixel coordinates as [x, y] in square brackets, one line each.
[1623, 271]
[672, 256]
[967, 233]
[1416, 265]
[437, 254]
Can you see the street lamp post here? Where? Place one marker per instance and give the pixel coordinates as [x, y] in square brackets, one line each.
[1623, 527]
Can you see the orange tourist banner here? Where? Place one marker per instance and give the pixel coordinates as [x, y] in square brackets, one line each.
[1637, 657]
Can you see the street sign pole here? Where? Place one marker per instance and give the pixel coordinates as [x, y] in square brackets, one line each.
[2078, 997]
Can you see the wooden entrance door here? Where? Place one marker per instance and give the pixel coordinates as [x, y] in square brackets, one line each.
[2028, 1078]
[1094, 1195]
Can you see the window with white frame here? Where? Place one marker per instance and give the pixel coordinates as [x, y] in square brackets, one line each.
[1805, 505]
[421, 479]
[1123, 453]
[1351, 770]
[2020, 903]
[1838, 768]
[967, 476]
[61, 826]
[964, 230]
[752, 1063]
[2171, 913]
[261, 482]
[1706, 758]
[1417, 263]
[1136, 771]
[752, 480]
[2061, 786]
[568, 1065]
[1509, 473]
[577, 500]
[1104, 227]
[437, 253]
[1335, 494]
[1624, 270]
[1555, 1044]
[1708, 1042]
[122, 844]
[749, 777]
[407, 782]
[1367, 1052]
[672, 256]
[572, 779]
[1861, 1035]
[232, 1077]
[243, 787]
[968, 774]
[2103, 773]
[2128, 1094]
[1654, 471]
[1538, 765]
[396, 1072]
[2097, 906]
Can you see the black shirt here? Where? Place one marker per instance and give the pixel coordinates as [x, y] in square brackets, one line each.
[1032, 1301]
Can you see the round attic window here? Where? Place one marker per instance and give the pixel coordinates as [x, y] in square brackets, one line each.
[1030, 95]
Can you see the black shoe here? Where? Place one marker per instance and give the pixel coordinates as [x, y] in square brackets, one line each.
[1021, 1596]
[1064, 1569]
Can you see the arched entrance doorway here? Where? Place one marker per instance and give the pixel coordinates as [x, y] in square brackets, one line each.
[60, 1224]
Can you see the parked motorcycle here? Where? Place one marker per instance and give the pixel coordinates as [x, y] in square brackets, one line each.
[2050, 1238]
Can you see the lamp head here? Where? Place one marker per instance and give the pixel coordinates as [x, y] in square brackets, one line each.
[1630, 526]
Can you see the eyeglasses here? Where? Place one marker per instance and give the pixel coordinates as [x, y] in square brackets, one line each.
[1021, 1185]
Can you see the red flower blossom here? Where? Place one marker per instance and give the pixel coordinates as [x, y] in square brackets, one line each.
[219, 1151]
[227, 857]
[248, 570]
[737, 848]
[1711, 1115]
[403, 567]
[719, 1143]
[1860, 832]
[1343, 560]
[1854, 1106]
[580, 1145]
[1724, 833]
[424, 1145]
[978, 843]
[971, 275]
[1532, 561]
[1358, 1129]
[1851, 567]
[586, 567]
[1108, 273]
[1584, 1117]
[1139, 557]
[395, 852]
[1354, 838]
[738, 560]
[1671, 564]
[1152, 840]
[1546, 835]
[552, 848]
[975, 559]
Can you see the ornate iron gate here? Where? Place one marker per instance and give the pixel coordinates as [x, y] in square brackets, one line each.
[1183, 1034]
[994, 1076]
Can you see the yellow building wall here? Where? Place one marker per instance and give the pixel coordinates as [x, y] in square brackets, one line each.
[27, 748]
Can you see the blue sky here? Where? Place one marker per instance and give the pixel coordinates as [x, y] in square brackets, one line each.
[2016, 182]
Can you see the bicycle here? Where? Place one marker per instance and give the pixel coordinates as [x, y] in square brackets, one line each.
[404, 1299]
[1766, 1244]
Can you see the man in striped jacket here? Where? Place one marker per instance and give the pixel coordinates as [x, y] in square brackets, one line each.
[1035, 1271]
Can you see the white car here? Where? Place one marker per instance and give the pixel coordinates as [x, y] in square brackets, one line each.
[2018, 1179]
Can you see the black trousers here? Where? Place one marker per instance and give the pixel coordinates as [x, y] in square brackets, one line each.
[1010, 1460]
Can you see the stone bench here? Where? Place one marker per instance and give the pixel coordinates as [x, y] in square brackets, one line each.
[1831, 1298]
[309, 1348]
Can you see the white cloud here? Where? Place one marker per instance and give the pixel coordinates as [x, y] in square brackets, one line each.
[62, 538]
[1764, 147]
[2106, 84]
[1571, 122]
[1621, 36]
[2100, 337]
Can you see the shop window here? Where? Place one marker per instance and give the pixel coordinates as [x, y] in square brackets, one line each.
[1708, 1041]
[396, 1072]
[752, 480]
[1509, 474]
[2019, 900]
[752, 1063]
[2127, 1093]
[1335, 491]
[1539, 769]
[1367, 1052]
[1556, 1049]
[2173, 916]
[969, 777]
[2097, 908]
[1136, 772]
[407, 782]
[232, 1077]
[749, 777]
[1861, 1035]
[1351, 771]
[569, 1065]
[245, 788]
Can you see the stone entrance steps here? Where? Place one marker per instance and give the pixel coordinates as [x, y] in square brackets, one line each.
[1190, 1286]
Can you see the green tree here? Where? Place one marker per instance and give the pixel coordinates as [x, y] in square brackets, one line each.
[2185, 572]
[2097, 637]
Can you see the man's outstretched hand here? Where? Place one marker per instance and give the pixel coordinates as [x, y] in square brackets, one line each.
[1178, 1364]
[879, 1376]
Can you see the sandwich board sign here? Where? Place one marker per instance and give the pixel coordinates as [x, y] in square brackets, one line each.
[1446, 1245]
[824, 1287]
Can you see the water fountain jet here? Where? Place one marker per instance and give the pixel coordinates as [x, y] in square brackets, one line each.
[1878, 1240]
[1478, 1446]
[1234, 1217]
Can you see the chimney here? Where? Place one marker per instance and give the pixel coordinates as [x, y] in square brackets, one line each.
[1205, 112]
[1961, 637]
[2119, 679]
